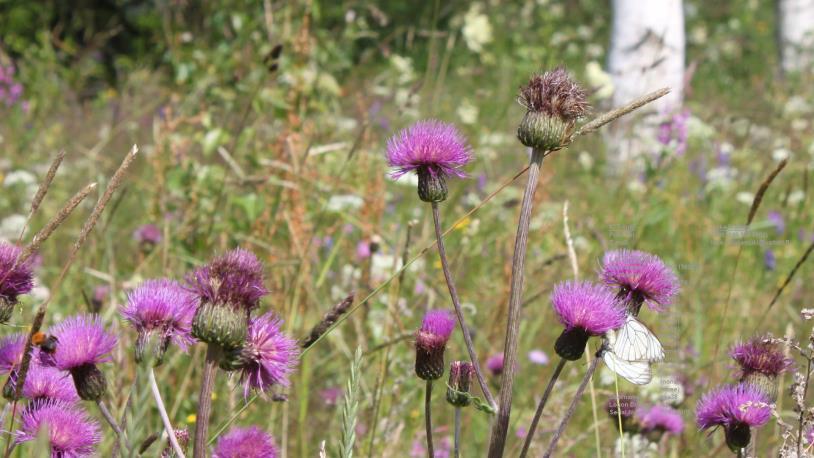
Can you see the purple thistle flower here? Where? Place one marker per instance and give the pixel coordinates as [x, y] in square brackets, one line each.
[330, 396]
[736, 408]
[70, 431]
[495, 364]
[590, 307]
[431, 340]
[268, 356]
[641, 277]
[100, 295]
[249, 442]
[44, 382]
[148, 234]
[460, 378]
[11, 352]
[234, 279]
[661, 418]
[555, 94]
[585, 309]
[760, 355]
[162, 307]
[430, 145]
[14, 280]
[82, 340]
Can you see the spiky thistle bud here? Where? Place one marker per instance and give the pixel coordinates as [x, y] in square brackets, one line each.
[460, 379]
[430, 343]
[553, 103]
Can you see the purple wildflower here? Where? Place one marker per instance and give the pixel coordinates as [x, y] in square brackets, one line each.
[460, 379]
[363, 250]
[161, 307]
[82, 343]
[148, 234]
[235, 279]
[45, 382]
[641, 277]
[590, 307]
[70, 430]
[760, 355]
[776, 220]
[14, 280]
[268, 356]
[495, 364]
[661, 418]
[330, 396]
[555, 94]
[538, 357]
[100, 295]
[431, 340]
[769, 259]
[432, 146]
[675, 131]
[11, 352]
[249, 442]
[736, 408]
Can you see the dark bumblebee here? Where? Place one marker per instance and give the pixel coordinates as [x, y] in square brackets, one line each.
[47, 343]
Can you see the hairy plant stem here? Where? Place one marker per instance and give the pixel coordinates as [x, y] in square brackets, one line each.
[573, 406]
[428, 419]
[111, 420]
[802, 412]
[541, 406]
[457, 432]
[164, 417]
[456, 302]
[501, 425]
[205, 400]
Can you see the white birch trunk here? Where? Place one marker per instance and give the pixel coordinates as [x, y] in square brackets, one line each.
[795, 23]
[647, 53]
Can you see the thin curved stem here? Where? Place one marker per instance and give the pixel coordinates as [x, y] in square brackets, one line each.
[501, 427]
[456, 302]
[541, 406]
[457, 432]
[164, 417]
[428, 419]
[120, 435]
[573, 407]
[205, 400]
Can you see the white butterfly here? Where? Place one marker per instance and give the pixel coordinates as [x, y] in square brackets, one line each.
[631, 350]
[635, 372]
[635, 342]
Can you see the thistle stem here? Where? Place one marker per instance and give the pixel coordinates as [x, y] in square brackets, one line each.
[456, 302]
[501, 426]
[428, 419]
[541, 406]
[205, 400]
[164, 417]
[457, 432]
[120, 436]
[573, 407]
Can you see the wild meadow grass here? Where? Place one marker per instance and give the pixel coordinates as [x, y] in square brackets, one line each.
[290, 164]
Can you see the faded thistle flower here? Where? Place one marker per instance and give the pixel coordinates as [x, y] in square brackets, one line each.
[228, 288]
[641, 278]
[460, 379]
[70, 431]
[249, 442]
[161, 312]
[660, 419]
[553, 103]
[430, 343]
[15, 280]
[434, 150]
[182, 435]
[266, 358]
[736, 408]
[761, 361]
[585, 309]
[82, 344]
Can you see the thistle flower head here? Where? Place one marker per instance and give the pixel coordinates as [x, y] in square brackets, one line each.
[736, 408]
[14, 280]
[430, 343]
[495, 364]
[661, 419]
[460, 379]
[641, 277]
[82, 340]
[554, 94]
[585, 309]
[70, 431]
[161, 307]
[44, 382]
[760, 355]
[234, 279]
[249, 442]
[267, 357]
[11, 352]
[147, 234]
